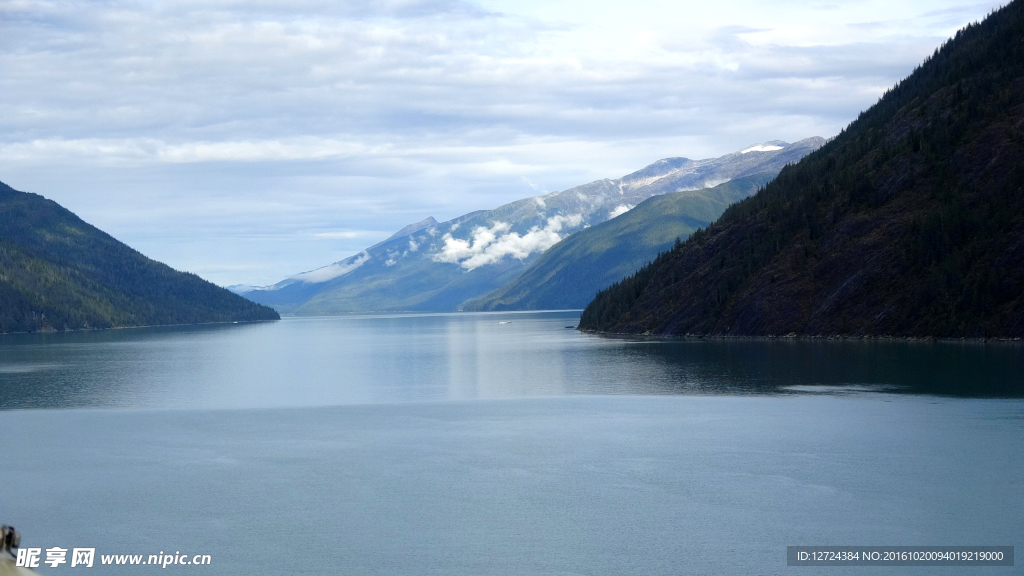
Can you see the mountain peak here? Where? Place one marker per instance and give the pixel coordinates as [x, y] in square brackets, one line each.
[413, 228]
[439, 266]
[770, 146]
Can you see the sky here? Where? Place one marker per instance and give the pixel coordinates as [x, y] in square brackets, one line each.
[250, 141]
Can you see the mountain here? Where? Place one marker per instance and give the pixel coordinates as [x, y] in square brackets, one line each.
[440, 266]
[59, 273]
[241, 288]
[571, 272]
[910, 223]
[413, 228]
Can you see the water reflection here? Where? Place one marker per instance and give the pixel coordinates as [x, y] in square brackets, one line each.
[369, 359]
[967, 369]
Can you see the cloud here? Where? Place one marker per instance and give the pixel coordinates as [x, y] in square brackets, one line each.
[456, 250]
[619, 210]
[490, 245]
[158, 121]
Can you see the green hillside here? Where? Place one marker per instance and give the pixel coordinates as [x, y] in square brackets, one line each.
[909, 223]
[59, 273]
[571, 272]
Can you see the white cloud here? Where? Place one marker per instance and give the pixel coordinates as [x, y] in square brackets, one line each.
[334, 270]
[620, 210]
[491, 245]
[292, 117]
[761, 148]
[456, 250]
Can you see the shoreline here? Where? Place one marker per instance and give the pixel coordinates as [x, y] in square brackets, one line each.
[805, 337]
[55, 331]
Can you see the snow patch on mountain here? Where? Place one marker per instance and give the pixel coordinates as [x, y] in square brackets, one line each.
[761, 148]
[332, 271]
[243, 288]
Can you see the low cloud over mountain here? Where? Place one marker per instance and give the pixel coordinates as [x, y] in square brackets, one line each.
[440, 266]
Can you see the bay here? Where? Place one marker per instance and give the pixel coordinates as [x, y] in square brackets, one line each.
[502, 444]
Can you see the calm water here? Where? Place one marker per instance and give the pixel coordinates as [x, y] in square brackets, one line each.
[457, 445]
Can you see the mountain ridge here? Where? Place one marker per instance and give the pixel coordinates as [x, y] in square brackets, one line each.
[58, 272]
[569, 274]
[441, 266]
[910, 223]
[413, 228]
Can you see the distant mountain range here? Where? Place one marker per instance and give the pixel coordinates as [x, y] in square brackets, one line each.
[909, 223]
[571, 273]
[59, 273]
[431, 266]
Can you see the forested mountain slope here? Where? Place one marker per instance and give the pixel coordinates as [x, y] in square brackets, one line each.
[909, 223]
[572, 272]
[59, 273]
